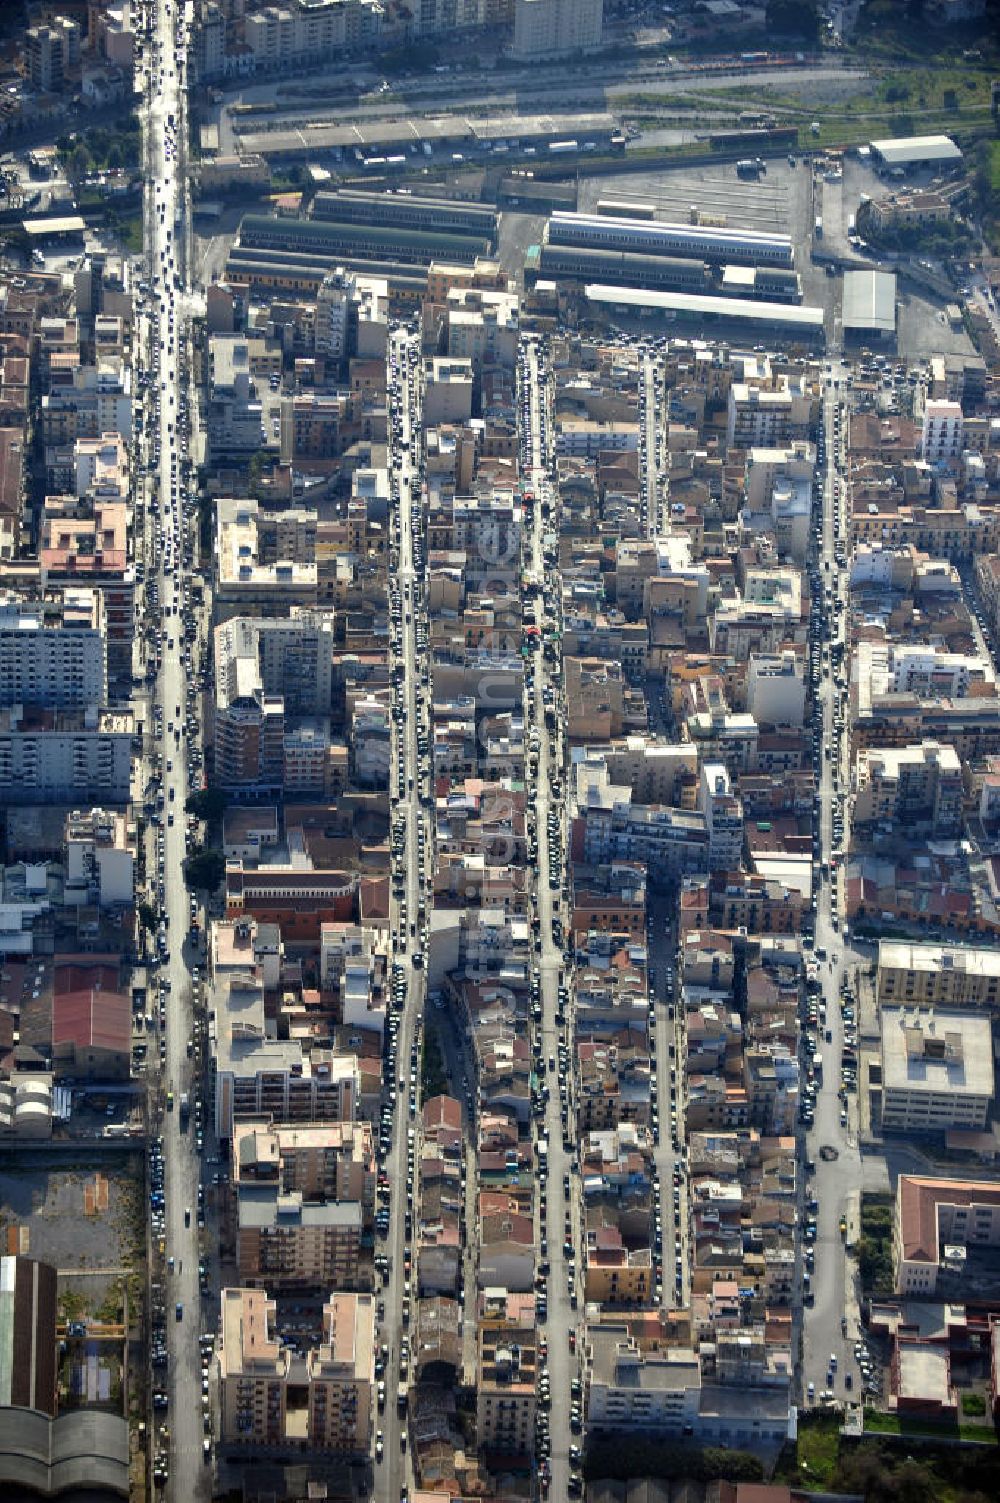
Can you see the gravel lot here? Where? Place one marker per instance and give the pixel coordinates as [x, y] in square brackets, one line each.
[49, 1203]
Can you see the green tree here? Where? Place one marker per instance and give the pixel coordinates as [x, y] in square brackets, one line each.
[208, 804]
[79, 163]
[204, 870]
[795, 18]
[147, 917]
[115, 158]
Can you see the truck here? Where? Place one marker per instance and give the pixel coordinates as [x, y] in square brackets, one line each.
[560, 148]
[819, 227]
[185, 1107]
[401, 1398]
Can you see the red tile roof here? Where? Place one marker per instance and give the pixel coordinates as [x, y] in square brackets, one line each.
[92, 1019]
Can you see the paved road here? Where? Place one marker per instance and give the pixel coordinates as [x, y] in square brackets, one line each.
[833, 1180]
[392, 1472]
[167, 213]
[561, 1215]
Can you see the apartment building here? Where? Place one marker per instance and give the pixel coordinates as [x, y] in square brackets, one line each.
[614, 1274]
[341, 1376]
[937, 1070]
[556, 28]
[609, 826]
[632, 1389]
[253, 578]
[937, 1225]
[928, 975]
[52, 54]
[333, 1161]
[253, 1368]
[317, 426]
[723, 813]
[100, 860]
[776, 689]
[65, 756]
[249, 728]
[272, 1397]
[941, 431]
[54, 654]
[258, 1076]
[508, 1366]
[284, 1241]
[913, 785]
[300, 32]
[233, 412]
[85, 542]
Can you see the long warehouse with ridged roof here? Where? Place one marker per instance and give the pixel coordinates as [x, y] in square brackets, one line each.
[660, 238]
[347, 242]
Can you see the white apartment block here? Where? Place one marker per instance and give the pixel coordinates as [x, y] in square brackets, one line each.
[282, 35]
[431, 17]
[100, 865]
[54, 664]
[941, 436]
[776, 689]
[937, 1070]
[72, 756]
[556, 28]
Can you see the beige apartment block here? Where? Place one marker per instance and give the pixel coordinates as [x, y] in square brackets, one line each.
[556, 28]
[341, 1374]
[270, 1396]
[508, 1372]
[937, 975]
[253, 1370]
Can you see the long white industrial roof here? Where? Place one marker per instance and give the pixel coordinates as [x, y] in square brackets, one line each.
[750, 310]
[669, 228]
[898, 151]
[870, 300]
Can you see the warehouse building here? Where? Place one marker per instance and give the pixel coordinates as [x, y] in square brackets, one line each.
[800, 325]
[771, 284]
[428, 135]
[347, 243]
[915, 151]
[660, 238]
[301, 276]
[584, 264]
[405, 211]
[869, 305]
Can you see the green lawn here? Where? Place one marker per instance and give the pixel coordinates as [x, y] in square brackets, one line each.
[890, 1424]
[995, 166]
[813, 1461]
